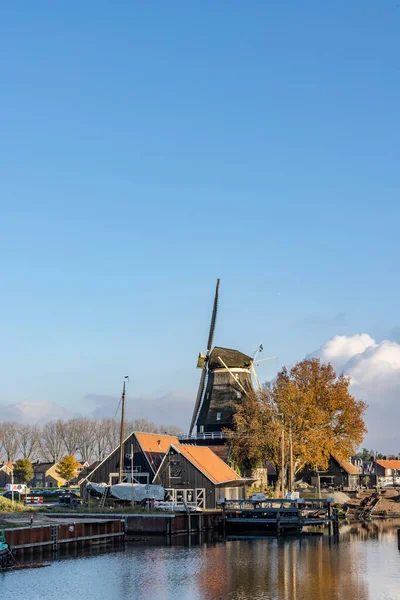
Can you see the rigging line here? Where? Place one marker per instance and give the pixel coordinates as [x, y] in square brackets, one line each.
[119, 404]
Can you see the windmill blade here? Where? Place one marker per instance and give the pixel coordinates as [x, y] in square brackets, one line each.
[200, 391]
[213, 319]
[199, 398]
[264, 359]
[255, 376]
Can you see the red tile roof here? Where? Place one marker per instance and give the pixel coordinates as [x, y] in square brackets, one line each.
[155, 442]
[346, 465]
[9, 465]
[389, 464]
[221, 451]
[208, 463]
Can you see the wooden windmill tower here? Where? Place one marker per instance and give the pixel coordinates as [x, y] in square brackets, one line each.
[225, 380]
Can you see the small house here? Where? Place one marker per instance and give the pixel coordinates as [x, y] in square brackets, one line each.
[339, 474]
[6, 469]
[45, 475]
[197, 474]
[386, 472]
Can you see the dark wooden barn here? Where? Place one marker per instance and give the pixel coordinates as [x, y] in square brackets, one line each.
[149, 450]
[197, 474]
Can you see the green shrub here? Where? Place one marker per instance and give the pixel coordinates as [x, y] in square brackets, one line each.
[7, 506]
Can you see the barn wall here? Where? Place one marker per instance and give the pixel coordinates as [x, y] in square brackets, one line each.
[230, 493]
[191, 478]
[111, 463]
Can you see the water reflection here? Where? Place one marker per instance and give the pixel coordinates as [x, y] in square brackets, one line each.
[365, 565]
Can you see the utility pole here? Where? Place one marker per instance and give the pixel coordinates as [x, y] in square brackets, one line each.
[133, 487]
[122, 432]
[291, 481]
[283, 458]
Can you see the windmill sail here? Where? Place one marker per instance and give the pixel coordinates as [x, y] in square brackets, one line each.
[203, 360]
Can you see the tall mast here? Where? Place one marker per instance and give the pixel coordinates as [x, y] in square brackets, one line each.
[122, 432]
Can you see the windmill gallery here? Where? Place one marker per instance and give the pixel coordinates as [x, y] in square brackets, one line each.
[193, 467]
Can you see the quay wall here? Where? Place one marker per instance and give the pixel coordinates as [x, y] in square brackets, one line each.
[158, 524]
[53, 536]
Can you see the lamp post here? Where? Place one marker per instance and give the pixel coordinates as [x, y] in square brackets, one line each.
[282, 455]
[12, 486]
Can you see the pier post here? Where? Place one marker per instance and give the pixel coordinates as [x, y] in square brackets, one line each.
[398, 539]
[278, 522]
[330, 519]
[336, 521]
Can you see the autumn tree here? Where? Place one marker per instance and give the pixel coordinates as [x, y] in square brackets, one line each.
[23, 470]
[67, 467]
[256, 432]
[309, 405]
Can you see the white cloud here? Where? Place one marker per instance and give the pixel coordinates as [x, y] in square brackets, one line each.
[374, 370]
[33, 412]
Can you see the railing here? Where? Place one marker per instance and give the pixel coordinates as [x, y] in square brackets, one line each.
[209, 435]
[177, 506]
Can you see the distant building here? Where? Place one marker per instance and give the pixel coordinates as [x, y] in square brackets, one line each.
[84, 472]
[45, 475]
[197, 474]
[6, 469]
[340, 473]
[385, 473]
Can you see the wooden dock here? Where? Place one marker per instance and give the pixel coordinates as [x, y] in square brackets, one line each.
[278, 516]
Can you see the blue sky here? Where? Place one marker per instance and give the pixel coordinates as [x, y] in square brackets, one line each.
[150, 147]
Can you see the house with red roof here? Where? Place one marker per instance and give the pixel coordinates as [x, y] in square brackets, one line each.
[6, 469]
[387, 472]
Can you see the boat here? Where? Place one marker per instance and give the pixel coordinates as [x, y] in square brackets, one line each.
[6, 557]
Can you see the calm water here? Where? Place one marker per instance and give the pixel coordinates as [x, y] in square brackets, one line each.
[364, 565]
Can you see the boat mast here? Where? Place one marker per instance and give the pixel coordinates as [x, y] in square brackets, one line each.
[122, 432]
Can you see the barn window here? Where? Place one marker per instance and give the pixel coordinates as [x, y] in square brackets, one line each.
[175, 469]
[201, 429]
[219, 415]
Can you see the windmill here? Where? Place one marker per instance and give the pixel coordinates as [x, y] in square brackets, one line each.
[225, 379]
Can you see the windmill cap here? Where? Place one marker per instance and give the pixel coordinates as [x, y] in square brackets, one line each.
[232, 358]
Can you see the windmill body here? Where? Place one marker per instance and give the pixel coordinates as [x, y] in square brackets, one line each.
[228, 380]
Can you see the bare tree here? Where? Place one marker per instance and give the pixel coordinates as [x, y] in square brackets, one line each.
[52, 441]
[144, 426]
[9, 440]
[29, 441]
[112, 433]
[170, 429]
[70, 436]
[100, 448]
[86, 433]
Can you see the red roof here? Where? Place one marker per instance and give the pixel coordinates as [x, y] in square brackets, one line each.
[155, 442]
[9, 465]
[389, 464]
[208, 463]
[346, 465]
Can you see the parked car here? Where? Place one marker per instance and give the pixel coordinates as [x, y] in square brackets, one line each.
[9, 495]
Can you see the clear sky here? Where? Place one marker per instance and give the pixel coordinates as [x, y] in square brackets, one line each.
[150, 147]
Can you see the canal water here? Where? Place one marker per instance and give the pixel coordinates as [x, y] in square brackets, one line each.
[364, 565]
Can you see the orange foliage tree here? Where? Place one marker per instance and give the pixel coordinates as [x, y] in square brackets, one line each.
[310, 403]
